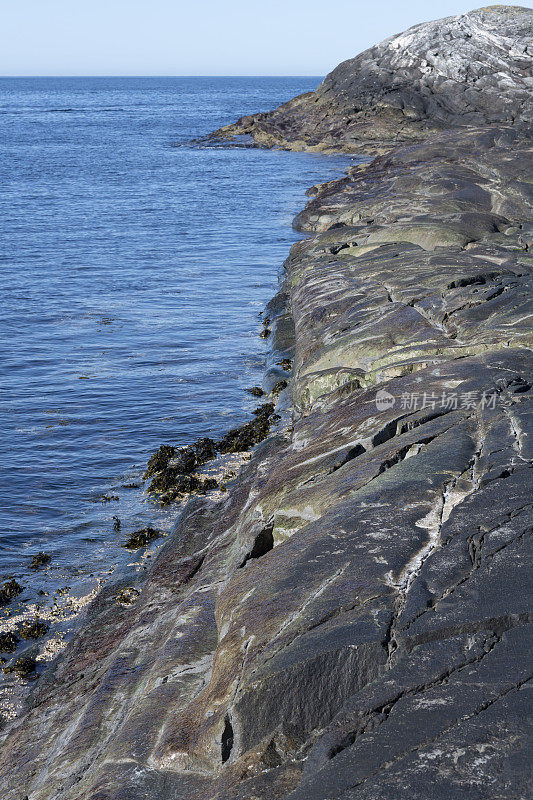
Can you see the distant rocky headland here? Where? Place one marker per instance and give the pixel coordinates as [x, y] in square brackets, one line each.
[352, 618]
[473, 69]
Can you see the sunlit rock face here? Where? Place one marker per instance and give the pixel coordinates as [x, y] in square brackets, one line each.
[472, 69]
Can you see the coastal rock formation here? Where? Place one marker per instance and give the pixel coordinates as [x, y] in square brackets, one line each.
[352, 620]
[472, 69]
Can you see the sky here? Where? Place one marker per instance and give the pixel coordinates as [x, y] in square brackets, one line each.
[200, 37]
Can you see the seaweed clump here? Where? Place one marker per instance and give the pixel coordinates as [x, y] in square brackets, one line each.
[255, 391]
[184, 460]
[171, 469]
[141, 538]
[159, 460]
[127, 596]
[178, 486]
[171, 484]
[285, 364]
[208, 485]
[9, 591]
[251, 433]
[279, 387]
[40, 560]
[33, 630]
[8, 642]
[23, 666]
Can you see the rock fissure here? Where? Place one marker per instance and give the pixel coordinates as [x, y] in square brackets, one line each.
[460, 720]
[379, 715]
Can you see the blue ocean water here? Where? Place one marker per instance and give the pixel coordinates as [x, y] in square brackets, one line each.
[132, 274]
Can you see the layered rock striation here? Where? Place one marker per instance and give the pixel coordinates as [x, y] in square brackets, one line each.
[352, 620]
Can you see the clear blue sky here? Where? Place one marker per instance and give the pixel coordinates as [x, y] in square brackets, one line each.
[199, 37]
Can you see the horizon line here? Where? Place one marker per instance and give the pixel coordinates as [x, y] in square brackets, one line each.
[279, 75]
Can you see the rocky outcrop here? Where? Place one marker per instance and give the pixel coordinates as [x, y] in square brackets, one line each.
[352, 620]
[472, 69]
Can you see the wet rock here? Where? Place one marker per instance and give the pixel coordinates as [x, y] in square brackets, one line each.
[33, 629]
[255, 391]
[8, 642]
[40, 560]
[10, 590]
[24, 667]
[141, 538]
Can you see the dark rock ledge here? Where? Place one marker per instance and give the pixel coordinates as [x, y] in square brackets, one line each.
[353, 619]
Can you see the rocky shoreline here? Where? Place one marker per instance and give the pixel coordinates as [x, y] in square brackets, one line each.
[352, 618]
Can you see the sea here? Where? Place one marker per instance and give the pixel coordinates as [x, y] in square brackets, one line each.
[134, 267]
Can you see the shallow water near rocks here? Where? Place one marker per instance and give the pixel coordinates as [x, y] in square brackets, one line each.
[132, 275]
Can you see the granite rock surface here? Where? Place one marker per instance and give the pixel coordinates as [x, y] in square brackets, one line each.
[471, 69]
[352, 620]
